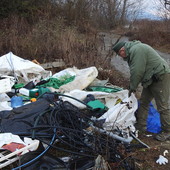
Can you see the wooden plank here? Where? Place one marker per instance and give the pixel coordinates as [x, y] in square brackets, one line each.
[57, 63]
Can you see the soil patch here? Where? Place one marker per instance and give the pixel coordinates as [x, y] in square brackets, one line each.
[145, 158]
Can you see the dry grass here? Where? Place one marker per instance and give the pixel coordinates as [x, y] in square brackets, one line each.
[51, 39]
[154, 33]
[48, 40]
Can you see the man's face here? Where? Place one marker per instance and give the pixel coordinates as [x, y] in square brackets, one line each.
[122, 52]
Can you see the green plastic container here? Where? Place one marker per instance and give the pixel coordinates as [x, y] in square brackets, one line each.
[43, 90]
[38, 91]
[34, 93]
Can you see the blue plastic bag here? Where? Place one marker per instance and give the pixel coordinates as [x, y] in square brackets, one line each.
[153, 120]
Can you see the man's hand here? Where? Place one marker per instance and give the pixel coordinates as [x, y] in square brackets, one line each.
[130, 92]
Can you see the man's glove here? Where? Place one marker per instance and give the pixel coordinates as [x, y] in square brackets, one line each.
[162, 160]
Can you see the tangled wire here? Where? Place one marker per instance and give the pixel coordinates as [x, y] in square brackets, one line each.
[66, 128]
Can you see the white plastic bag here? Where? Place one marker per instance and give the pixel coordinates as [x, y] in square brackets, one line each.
[83, 78]
[5, 102]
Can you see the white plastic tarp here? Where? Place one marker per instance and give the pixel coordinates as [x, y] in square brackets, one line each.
[6, 83]
[4, 102]
[21, 69]
[119, 115]
[109, 99]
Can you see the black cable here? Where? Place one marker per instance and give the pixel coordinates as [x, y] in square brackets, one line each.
[65, 150]
[65, 130]
[39, 156]
[59, 115]
[36, 121]
[60, 94]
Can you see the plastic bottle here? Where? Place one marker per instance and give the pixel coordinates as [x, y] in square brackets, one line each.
[24, 91]
[16, 101]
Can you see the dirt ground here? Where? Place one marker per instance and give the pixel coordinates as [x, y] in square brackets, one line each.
[145, 158]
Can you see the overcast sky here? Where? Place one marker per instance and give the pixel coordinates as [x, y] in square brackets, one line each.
[150, 8]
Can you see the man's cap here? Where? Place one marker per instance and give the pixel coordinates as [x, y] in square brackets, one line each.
[118, 46]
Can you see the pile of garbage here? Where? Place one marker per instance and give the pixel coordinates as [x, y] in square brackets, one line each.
[88, 120]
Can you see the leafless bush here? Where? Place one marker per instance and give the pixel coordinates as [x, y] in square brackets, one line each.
[51, 39]
[155, 33]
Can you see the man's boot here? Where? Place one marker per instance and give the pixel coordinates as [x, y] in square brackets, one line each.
[163, 136]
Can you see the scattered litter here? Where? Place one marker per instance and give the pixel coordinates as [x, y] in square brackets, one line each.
[4, 104]
[100, 163]
[165, 152]
[65, 159]
[16, 101]
[16, 146]
[83, 79]
[9, 138]
[162, 160]
[40, 111]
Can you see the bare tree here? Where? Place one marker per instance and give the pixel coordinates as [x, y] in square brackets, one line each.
[167, 4]
[163, 8]
[107, 14]
[123, 13]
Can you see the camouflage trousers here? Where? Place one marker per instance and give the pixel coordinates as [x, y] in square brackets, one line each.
[160, 91]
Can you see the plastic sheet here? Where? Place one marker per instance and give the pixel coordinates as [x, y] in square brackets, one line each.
[24, 70]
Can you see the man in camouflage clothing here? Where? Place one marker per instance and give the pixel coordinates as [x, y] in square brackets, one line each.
[152, 71]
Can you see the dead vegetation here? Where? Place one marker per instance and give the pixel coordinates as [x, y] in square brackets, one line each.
[154, 33]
